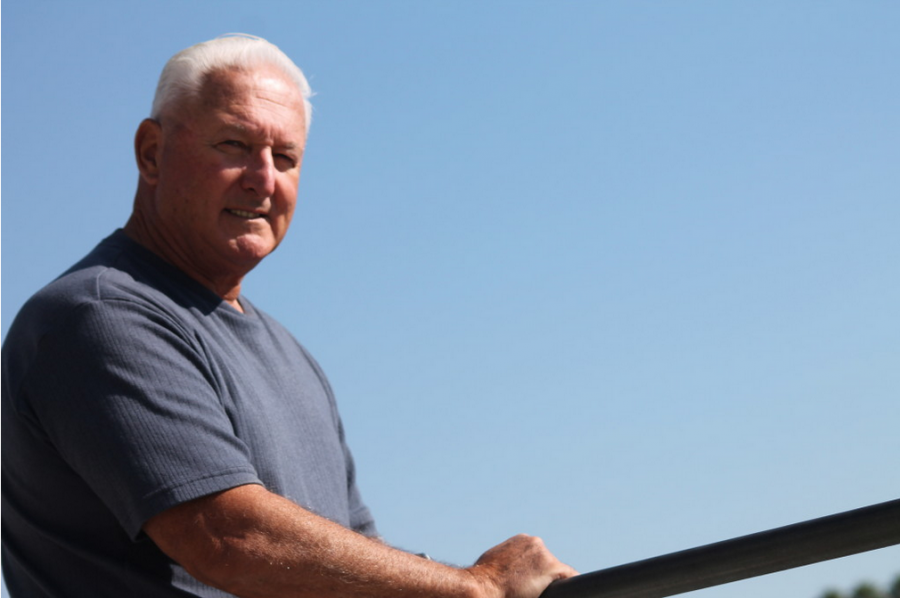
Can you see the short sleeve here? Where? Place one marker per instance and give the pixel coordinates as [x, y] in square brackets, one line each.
[128, 398]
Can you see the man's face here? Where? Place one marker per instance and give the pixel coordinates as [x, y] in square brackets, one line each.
[229, 165]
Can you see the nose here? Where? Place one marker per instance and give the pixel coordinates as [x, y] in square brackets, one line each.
[259, 174]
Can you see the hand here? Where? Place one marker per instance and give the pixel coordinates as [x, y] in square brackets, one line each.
[521, 567]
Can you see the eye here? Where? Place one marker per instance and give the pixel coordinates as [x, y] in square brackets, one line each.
[285, 161]
[233, 144]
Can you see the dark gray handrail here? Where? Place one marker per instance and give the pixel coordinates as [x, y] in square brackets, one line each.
[796, 545]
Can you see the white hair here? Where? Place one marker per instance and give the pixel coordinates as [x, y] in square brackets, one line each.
[186, 72]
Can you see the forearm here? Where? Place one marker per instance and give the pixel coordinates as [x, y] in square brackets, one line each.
[330, 560]
[252, 543]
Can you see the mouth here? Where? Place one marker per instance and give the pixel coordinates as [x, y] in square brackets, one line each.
[245, 214]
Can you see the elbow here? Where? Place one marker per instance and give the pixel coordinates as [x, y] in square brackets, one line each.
[222, 565]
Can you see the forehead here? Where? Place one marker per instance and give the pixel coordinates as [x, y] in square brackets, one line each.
[263, 97]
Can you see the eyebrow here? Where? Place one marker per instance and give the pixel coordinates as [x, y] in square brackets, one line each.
[245, 130]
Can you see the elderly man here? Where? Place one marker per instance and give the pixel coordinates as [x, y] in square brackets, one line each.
[164, 437]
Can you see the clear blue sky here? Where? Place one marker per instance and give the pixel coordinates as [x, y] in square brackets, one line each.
[620, 274]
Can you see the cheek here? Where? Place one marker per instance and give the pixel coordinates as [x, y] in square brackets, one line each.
[287, 198]
[284, 220]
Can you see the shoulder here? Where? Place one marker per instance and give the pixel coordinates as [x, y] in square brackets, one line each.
[117, 296]
[112, 276]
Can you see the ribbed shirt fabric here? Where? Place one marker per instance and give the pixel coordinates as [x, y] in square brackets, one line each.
[129, 388]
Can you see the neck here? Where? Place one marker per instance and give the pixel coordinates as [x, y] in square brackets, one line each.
[227, 286]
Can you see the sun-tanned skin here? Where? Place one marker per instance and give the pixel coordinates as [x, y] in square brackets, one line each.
[217, 191]
[219, 177]
[253, 543]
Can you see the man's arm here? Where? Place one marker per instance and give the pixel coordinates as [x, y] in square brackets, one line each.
[253, 543]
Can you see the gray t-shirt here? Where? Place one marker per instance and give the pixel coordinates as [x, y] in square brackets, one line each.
[129, 388]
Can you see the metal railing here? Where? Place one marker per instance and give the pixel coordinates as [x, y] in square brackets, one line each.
[805, 543]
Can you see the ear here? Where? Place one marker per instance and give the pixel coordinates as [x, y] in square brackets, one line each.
[147, 145]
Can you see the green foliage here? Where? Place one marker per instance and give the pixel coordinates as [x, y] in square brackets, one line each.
[866, 590]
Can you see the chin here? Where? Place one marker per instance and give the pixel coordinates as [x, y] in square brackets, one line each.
[251, 249]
